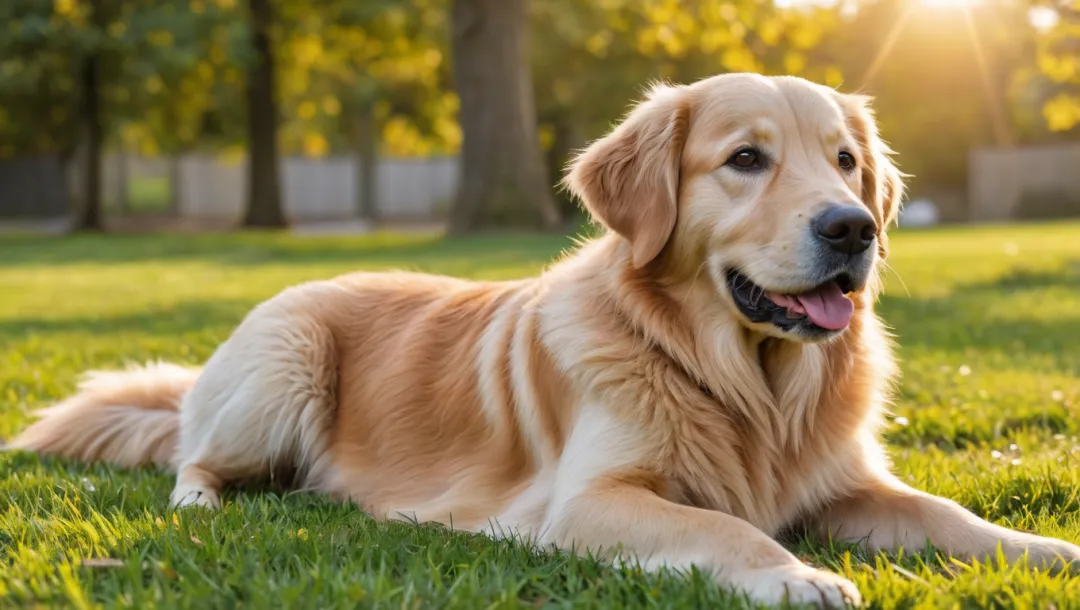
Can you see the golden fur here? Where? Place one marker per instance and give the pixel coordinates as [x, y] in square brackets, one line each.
[617, 403]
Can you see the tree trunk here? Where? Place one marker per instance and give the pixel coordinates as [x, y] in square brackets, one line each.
[89, 218]
[264, 187]
[366, 142]
[503, 175]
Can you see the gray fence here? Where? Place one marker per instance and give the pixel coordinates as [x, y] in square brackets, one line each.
[1003, 184]
[212, 188]
[33, 188]
[1024, 183]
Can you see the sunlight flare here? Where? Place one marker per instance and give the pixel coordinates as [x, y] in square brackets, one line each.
[949, 3]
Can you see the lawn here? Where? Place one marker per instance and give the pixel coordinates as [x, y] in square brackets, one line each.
[988, 322]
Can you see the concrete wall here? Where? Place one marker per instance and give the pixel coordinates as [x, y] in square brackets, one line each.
[1031, 182]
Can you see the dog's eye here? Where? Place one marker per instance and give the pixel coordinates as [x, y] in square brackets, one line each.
[846, 161]
[747, 159]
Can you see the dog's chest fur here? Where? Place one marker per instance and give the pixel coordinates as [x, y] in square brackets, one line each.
[763, 430]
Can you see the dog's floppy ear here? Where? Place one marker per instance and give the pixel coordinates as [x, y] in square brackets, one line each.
[882, 182]
[629, 179]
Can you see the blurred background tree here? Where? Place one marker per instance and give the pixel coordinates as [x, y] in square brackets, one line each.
[1057, 83]
[503, 174]
[512, 87]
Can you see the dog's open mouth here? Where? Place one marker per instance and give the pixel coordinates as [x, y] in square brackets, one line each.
[825, 308]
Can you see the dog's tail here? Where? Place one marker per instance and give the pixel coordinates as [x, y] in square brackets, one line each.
[129, 418]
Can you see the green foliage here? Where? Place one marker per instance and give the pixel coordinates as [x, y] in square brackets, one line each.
[38, 51]
[945, 78]
[386, 58]
[155, 89]
[1059, 64]
[986, 319]
[592, 58]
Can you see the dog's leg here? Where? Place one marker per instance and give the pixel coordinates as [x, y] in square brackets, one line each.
[263, 404]
[617, 519]
[887, 514]
[197, 487]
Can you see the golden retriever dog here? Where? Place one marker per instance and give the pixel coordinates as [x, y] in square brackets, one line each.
[675, 392]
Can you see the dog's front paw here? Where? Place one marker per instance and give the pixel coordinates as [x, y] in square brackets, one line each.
[195, 495]
[797, 585]
[1049, 553]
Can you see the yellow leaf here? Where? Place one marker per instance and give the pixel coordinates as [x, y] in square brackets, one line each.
[433, 58]
[402, 139]
[232, 154]
[331, 106]
[713, 39]
[130, 133]
[197, 7]
[598, 43]
[217, 54]
[646, 41]
[672, 45]
[659, 13]
[739, 60]
[1062, 113]
[1058, 68]
[64, 7]
[306, 110]
[770, 32]
[117, 29]
[806, 37]
[154, 84]
[546, 135]
[833, 76]
[738, 31]
[450, 132]
[307, 49]
[450, 102]
[161, 38]
[794, 62]
[315, 145]
[685, 23]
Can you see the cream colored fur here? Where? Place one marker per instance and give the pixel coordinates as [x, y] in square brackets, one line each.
[617, 403]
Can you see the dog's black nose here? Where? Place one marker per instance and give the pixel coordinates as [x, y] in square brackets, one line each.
[848, 229]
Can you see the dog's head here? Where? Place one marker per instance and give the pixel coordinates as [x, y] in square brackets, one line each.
[780, 188]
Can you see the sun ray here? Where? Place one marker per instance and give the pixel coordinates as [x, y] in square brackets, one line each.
[886, 48]
[1001, 125]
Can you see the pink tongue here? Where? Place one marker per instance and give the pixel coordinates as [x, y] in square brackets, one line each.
[827, 306]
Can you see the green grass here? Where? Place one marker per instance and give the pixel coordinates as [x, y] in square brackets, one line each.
[145, 194]
[989, 328]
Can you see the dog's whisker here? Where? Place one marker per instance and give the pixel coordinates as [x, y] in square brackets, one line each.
[697, 274]
[755, 295]
[889, 267]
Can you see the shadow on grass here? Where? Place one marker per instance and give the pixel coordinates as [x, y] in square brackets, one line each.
[954, 322]
[158, 322]
[280, 248]
[958, 322]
